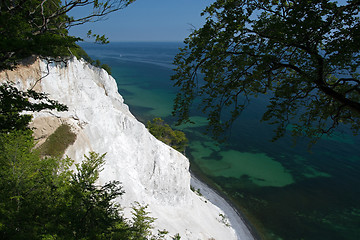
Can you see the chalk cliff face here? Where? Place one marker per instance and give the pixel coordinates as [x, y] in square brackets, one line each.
[151, 172]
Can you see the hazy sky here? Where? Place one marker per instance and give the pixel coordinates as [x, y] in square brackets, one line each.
[149, 20]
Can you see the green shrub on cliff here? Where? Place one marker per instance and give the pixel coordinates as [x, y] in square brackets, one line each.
[162, 131]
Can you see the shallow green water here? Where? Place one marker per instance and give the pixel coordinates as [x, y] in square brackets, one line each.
[287, 191]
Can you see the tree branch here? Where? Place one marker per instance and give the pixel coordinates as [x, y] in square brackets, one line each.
[320, 82]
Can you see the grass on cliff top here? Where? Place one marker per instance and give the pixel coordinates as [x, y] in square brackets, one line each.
[56, 144]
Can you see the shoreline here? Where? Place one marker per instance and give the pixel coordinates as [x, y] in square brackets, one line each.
[242, 227]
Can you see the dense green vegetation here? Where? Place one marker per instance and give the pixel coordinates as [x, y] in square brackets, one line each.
[304, 56]
[42, 198]
[162, 131]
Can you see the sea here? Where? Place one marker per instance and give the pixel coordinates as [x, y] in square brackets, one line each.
[285, 189]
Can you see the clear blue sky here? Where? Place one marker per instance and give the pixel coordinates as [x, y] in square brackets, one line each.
[148, 20]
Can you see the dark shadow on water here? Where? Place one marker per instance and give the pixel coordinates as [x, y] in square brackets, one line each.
[215, 155]
[310, 209]
[123, 92]
[141, 113]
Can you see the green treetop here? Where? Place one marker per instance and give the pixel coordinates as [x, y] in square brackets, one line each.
[40, 27]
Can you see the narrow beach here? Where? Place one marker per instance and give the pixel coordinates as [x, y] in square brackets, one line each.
[237, 222]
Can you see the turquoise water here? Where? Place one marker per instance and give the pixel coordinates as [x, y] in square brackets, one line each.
[287, 191]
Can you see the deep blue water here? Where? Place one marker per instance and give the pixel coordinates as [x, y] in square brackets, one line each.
[285, 190]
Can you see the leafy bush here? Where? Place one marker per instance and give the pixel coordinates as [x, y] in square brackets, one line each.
[162, 131]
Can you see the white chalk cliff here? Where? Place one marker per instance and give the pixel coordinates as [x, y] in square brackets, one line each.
[151, 172]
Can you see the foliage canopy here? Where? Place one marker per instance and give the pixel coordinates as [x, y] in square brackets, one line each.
[304, 55]
[40, 27]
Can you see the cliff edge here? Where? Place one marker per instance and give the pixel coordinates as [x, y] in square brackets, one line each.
[151, 172]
